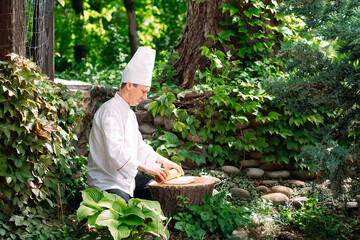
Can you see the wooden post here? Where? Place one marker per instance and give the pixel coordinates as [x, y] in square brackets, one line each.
[43, 37]
[12, 27]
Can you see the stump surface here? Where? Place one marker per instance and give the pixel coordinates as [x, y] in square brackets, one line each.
[166, 194]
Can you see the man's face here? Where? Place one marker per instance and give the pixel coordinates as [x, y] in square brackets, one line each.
[137, 94]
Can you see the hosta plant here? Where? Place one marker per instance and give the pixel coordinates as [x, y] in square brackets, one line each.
[121, 220]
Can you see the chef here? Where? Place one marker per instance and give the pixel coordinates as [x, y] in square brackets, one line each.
[117, 150]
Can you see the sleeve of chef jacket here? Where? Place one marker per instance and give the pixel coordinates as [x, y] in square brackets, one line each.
[146, 154]
[121, 158]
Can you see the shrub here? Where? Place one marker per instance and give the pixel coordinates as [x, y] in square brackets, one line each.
[216, 216]
[37, 120]
[121, 220]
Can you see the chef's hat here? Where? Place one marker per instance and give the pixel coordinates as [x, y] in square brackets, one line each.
[139, 69]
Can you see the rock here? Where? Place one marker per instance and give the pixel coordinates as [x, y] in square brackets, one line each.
[159, 120]
[143, 103]
[215, 192]
[295, 183]
[298, 201]
[289, 236]
[282, 189]
[290, 167]
[147, 129]
[305, 190]
[243, 125]
[240, 234]
[189, 94]
[262, 189]
[248, 130]
[303, 175]
[276, 198]
[193, 138]
[278, 174]
[271, 166]
[270, 182]
[357, 197]
[146, 106]
[239, 192]
[230, 169]
[168, 123]
[146, 136]
[249, 163]
[349, 205]
[254, 172]
[255, 154]
[144, 117]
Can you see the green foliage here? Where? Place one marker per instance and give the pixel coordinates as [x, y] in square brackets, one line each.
[215, 216]
[316, 222]
[121, 220]
[38, 119]
[102, 29]
[322, 79]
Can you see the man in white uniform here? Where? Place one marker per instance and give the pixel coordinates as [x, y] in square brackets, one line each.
[117, 150]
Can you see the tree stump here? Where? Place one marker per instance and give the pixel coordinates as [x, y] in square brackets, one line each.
[166, 194]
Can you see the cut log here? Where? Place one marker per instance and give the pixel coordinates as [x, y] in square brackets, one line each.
[167, 194]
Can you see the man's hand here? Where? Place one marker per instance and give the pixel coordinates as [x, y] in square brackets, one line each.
[169, 164]
[155, 171]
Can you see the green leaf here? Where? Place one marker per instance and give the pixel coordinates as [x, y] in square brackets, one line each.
[92, 195]
[119, 232]
[107, 218]
[226, 34]
[84, 212]
[133, 211]
[132, 220]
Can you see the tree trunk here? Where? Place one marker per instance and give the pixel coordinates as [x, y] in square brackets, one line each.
[79, 49]
[167, 194]
[12, 27]
[130, 10]
[202, 19]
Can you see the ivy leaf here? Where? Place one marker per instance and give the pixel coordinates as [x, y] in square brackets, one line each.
[226, 34]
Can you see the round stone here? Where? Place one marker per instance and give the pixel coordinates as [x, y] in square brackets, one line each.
[240, 234]
[239, 192]
[159, 120]
[272, 166]
[299, 200]
[249, 163]
[276, 198]
[146, 129]
[146, 106]
[349, 205]
[303, 175]
[230, 169]
[270, 182]
[282, 189]
[254, 172]
[278, 174]
[262, 189]
[295, 183]
[193, 138]
[168, 123]
[143, 103]
[305, 190]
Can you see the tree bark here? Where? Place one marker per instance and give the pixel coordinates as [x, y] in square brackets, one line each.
[167, 194]
[79, 49]
[130, 10]
[202, 19]
[12, 27]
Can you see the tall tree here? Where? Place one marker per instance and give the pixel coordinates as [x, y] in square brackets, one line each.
[79, 48]
[242, 33]
[130, 10]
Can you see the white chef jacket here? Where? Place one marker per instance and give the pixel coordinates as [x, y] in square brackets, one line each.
[116, 148]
